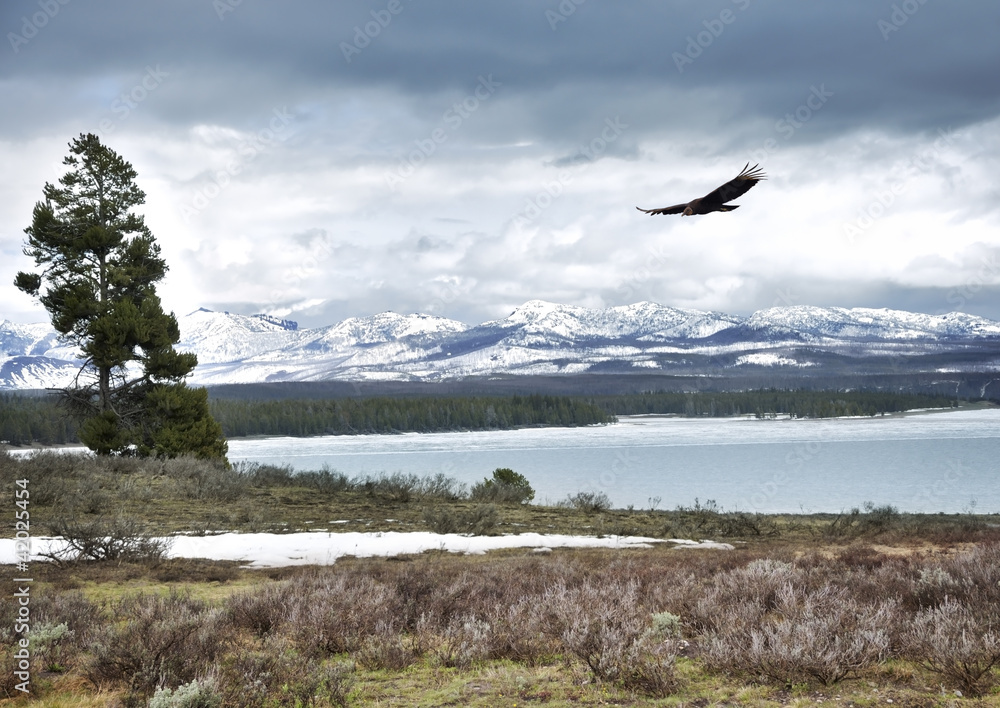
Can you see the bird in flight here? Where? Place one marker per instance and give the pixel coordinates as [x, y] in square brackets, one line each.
[717, 198]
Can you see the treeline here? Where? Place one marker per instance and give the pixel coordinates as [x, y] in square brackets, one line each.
[35, 419]
[347, 416]
[769, 403]
[40, 419]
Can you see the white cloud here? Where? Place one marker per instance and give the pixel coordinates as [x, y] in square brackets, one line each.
[884, 191]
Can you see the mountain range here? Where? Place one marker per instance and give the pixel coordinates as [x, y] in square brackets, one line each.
[546, 339]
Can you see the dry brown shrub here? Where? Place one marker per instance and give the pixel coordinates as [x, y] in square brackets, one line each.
[466, 594]
[604, 624]
[81, 616]
[650, 665]
[330, 613]
[262, 611]
[744, 594]
[387, 648]
[155, 640]
[819, 634]
[462, 640]
[951, 640]
[596, 622]
[517, 632]
[274, 677]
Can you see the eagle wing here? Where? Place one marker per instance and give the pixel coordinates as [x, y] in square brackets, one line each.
[736, 187]
[676, 209]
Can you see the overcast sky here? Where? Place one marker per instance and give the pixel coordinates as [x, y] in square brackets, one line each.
[319, 160]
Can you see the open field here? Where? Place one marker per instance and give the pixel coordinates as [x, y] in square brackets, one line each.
[864, 608]
[829, 624]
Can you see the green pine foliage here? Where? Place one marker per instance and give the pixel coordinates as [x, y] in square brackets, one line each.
[506, 487]
[98, 268]
[180, 423]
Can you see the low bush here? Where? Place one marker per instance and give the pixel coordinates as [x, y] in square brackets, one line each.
[272, 677]
[811, 634]
[387, 648]
[481, 520]
[952, 641]
[259, 474]
[261, 611]
[120, 537]
[155, 641]
[604, 625]
[399, 488]
[212, 480]
[197, 694]
[325, 481]
[742, 595]
[875, 520]
[460, 642]
[650, 664]
[506, 487]
[588, 502]
[81, 617]
[330, 613]
[518, 632]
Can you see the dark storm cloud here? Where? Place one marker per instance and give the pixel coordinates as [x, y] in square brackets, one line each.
[910, 65]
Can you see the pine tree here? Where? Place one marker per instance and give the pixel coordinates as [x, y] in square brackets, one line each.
[100, 265]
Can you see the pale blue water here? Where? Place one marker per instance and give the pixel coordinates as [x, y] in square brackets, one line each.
[946, 461]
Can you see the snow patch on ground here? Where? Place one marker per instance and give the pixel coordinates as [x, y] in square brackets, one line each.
[269, 550]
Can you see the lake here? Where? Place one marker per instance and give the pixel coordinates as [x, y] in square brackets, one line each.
[924, 462]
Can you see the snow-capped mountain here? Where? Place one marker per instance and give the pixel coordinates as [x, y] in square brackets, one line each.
[866, 323]
[542, 338]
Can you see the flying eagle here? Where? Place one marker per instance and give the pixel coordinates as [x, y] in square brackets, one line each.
[717, 198]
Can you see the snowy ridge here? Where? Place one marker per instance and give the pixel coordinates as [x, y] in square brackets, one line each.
[537, 338]
[862, 323]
